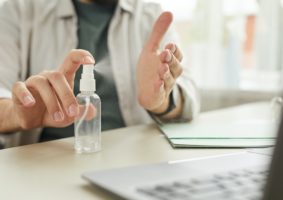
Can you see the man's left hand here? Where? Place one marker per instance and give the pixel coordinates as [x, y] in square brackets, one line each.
[157, 70]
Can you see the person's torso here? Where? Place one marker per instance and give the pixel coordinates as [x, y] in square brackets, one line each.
[93, 23]
[49, 32]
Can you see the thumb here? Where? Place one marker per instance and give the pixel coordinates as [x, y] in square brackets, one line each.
[73, 61]
[159, 30]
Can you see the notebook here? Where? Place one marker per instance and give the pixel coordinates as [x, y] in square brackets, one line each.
[234, 134]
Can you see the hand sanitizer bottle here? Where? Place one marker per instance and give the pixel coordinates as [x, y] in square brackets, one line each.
[88, 123]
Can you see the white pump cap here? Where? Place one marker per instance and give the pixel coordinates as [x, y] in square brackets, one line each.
[87, 82]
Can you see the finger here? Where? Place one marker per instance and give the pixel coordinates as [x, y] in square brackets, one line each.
[73, 61]
[63, 92]
[159, 29]
[173, 63]
[175, 50]
[163, 68]
[22, 95]
[91, 112]
[169, 81]
[41, 85]
[158, 86]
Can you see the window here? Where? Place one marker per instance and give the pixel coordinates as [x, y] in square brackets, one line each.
[231, 43]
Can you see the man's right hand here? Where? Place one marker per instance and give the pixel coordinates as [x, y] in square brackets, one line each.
[47, 99]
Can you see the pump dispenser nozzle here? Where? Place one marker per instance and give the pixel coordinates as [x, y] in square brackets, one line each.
[87, 82]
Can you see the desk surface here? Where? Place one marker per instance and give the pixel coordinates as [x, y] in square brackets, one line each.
[52, 170]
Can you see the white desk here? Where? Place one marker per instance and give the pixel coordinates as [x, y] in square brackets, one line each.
[52, 170]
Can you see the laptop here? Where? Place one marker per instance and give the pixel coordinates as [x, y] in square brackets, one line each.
[248, 175]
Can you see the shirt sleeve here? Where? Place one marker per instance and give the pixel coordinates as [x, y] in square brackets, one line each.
[9, 46]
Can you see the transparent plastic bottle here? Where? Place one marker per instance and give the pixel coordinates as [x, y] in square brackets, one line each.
[88, 123]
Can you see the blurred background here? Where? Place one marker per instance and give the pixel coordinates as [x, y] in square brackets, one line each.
[234, 48]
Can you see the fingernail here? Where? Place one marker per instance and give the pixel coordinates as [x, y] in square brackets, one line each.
[28, 100]
[168, 57]
[88, 59]
[173, 48]
[58, 116]
[72, 110]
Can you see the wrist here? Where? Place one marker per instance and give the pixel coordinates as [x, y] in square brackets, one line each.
[8, 120]
[174, 105]
[162, 108]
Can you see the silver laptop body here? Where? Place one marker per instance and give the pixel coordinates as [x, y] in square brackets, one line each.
[236, 176]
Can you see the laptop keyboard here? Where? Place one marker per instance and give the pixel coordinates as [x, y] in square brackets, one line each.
[240, 185]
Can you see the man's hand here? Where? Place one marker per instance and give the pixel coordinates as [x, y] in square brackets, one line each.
[157, 71]
[47, 99]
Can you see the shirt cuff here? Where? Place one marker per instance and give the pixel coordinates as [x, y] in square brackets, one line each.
[191, 107]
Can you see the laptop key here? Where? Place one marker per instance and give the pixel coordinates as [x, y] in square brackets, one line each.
[245, 185]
